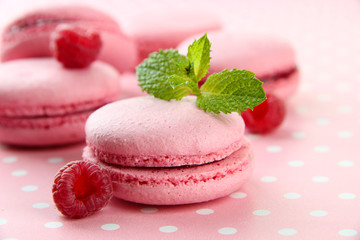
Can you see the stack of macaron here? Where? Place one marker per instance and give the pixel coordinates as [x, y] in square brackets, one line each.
[45, 101]
[44, 104]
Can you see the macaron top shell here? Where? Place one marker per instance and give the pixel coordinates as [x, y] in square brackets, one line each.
[41, 86]
[146, 131]
[51, 16]
[261, 54]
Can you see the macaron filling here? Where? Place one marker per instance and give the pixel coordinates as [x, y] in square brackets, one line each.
[164, 160]
[284, 74]
[48, 116]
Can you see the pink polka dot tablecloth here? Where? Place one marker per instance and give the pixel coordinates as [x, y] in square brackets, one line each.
[306, 182]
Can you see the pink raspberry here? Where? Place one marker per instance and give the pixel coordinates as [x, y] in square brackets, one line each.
[74, 46]
[265, 117]
[81, 188]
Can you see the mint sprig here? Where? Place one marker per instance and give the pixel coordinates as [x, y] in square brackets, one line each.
[199, 55]
[169, 75]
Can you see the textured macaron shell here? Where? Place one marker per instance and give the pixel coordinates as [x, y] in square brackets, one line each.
[180, 185]
[145, 131]
[41, 86]
[33, 40]
[154, 30]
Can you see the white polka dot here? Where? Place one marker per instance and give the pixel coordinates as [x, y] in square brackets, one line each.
[296, 163]
[302, 110]
[348, 232]
[324, 98]
[53, 224]
[268, 179]
[345, 134]
[168, 229]
[343, 87]
[342, 68]
[320, 179]
[253, 136]
[292, 195]
[40, 205]
[110, 227]
[55, 160]
[306, 87]
[261, 212]
[9, 159]
[344, 109]
[3, 221]
[227, 231]
[298, 134]
[287, 231]
[274, 148]
[19, 173]
[29, 188]
[238, 195]
[149, 210]
[322, 121]
[205, 211]
[321, 149]
[324, 77]
[318, 213]
[346, 163]
[346, 195]
[324, 61]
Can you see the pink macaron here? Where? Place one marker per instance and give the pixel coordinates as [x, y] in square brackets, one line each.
[44, 104]
[129, 86]
[28, 36]
[272, 59]
[168, 152]
[164, 29]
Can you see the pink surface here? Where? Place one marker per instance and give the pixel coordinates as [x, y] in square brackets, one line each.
[305, 180]
[117, 49]
[180, 185]
[150, 132]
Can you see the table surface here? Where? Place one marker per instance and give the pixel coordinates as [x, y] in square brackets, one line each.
[306, 180]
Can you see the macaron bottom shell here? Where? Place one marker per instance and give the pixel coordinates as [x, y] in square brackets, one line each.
[180, 185]
[45, 131]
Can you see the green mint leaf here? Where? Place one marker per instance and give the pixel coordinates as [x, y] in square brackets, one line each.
[183, 85]
[165, 75]
[231, 91]
[199, 55]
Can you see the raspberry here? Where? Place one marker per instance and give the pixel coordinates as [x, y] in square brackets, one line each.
[265, 117]
[74, 46]
[81, 188]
